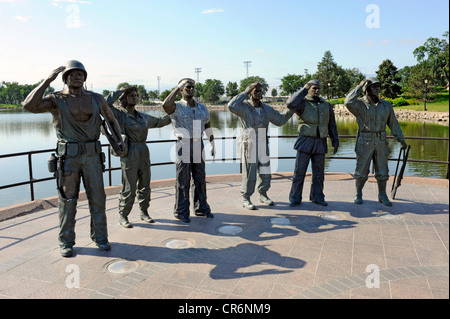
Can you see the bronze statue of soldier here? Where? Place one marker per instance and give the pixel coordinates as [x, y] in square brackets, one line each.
[190, 120]
[255, 117]
[316, 122]
[136, 170]
[372, 114]
[76, 117]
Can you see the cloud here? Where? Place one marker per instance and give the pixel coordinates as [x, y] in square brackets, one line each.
[57, 3]
[409, 42]
[387, 42]
[369, 43]
[209, 11]
[22, 19]
[72, 1]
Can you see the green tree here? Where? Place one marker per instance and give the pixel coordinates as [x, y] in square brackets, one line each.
[143, 95]
[212, 90]
[15, 93]
[252, 79]
[436, 52]
[415, 83]
[153, 94]
[198, 90]
[403, 75]
[232, 89]
[387, 74]
[274, 92]
[326, 70]
[121, 85]
[165, 94]
[355, 76]
[291, 83]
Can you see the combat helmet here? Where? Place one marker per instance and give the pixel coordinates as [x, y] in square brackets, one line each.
[370, 81]
[315, 82]
[73, 65]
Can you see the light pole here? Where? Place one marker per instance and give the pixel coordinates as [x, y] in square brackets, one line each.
[247, 65]
[328, 91]
[159, 80]
[425, 98]
[198, 71]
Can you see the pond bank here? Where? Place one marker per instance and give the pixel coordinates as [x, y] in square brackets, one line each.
[441, 118]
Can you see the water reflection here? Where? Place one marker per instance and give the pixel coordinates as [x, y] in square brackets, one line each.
[21, 131]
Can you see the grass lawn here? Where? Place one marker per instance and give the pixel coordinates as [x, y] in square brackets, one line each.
[440, 104]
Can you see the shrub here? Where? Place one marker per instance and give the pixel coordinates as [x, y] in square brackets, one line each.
[400, 101]
[337, 101]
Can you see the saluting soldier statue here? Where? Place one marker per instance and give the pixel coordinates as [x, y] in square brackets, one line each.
[76, 117]
[136, 171]
[255, 117]
[190, 120]
[316, 123]
[372, 115]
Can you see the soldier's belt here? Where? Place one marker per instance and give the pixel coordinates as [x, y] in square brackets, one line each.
[71, 149]
[373, 134]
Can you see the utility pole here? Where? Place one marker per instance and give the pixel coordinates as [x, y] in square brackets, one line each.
[247, 65]
[198, 71]
[159, 79]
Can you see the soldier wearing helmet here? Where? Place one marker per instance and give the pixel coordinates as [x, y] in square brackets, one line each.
[372, 114]
[76, 117]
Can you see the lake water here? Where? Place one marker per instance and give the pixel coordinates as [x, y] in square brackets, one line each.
[21, 131]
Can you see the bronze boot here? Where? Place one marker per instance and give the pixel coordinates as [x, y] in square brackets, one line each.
[382, 196]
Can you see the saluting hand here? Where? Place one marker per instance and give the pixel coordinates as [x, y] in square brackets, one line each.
[55, 73]
[251, 87]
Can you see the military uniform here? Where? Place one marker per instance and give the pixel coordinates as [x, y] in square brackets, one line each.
[316, 123]
[255, 121]
[189, 125]
[371, 143]
[80, 149]
[136, 171]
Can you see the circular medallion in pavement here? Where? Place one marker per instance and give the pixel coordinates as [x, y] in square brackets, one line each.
[177, 243]
[280, 221]
[331, 217]
[122, 266]
[230, 230]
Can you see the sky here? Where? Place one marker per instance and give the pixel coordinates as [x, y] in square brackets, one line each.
[137, 41]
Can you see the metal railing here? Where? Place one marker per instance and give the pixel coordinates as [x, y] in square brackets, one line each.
[32, 181]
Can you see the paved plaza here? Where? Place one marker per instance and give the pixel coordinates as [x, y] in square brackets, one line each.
[340, 251]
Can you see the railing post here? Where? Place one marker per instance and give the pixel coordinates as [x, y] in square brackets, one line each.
[30, 172]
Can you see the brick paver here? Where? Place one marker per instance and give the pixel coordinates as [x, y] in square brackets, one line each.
[310, 251]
